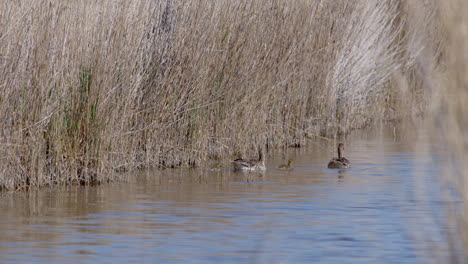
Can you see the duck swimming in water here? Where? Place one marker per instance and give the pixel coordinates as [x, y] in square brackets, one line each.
[340, 162]
[250, 164]
[286, 166]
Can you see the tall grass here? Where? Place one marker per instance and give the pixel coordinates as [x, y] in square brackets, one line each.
[450, 119]
[90, 88]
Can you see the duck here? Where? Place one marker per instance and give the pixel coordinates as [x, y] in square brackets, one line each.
[340, 162]
[250, 164]
[286, 166]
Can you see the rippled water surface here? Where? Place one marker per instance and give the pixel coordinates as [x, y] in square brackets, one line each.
[377, 211]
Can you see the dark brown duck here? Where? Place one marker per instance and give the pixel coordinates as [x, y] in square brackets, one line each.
[340, 162]
[250, 164]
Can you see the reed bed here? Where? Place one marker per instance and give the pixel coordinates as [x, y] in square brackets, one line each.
[449, 118]
[90, 89]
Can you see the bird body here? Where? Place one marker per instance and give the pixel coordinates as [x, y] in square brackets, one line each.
[249, 164]
[337, 163]
[286, 166]
[340, 162]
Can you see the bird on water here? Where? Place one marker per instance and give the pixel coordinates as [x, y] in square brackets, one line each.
[340, 162]
[250, 164]
[286, 166]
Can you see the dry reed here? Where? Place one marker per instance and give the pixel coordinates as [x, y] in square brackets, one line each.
[449, 89]
[90, 88]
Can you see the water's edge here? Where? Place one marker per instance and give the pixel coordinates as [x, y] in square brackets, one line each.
[371, 212]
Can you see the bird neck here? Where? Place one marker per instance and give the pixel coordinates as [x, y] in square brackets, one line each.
[339, 153]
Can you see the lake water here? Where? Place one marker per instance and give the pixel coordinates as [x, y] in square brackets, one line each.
[381, 210]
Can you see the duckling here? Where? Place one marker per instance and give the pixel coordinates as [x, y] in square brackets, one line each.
[286, 166]
[250, 164]
[340, 162]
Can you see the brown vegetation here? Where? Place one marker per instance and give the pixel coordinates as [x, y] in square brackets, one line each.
[89, 88]
[450, 119]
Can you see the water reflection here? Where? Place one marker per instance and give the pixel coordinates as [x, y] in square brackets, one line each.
[306, 214]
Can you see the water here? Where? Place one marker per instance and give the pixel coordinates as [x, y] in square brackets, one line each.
[380, 210]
